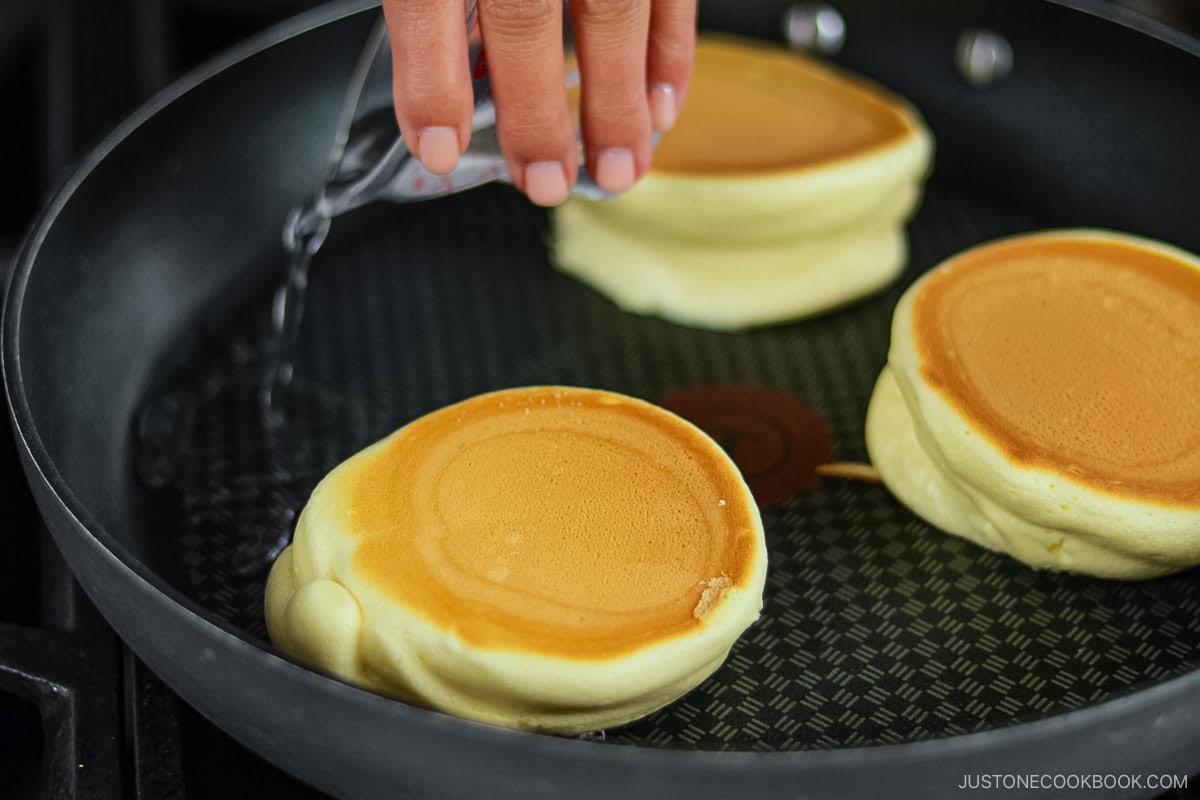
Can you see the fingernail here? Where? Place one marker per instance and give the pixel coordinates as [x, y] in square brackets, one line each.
[546, 183]
[662, 106]
[437, 147]
[614, 169]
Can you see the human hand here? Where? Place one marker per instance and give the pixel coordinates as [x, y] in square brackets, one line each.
[635, 60]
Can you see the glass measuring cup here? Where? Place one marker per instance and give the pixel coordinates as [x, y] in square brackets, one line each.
[370, 160]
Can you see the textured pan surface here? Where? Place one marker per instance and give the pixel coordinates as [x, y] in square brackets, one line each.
[876, 628]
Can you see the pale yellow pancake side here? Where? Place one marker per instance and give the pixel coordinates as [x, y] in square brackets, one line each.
[781, 192]
[1050, 408]
[546, 558]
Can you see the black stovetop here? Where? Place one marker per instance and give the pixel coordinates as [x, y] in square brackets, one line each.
[80, 717]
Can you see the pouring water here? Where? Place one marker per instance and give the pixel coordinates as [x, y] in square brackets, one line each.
[369, 161]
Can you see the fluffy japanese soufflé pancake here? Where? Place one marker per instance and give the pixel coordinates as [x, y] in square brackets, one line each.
[1042, 398]
[781, 191]
[544, 558]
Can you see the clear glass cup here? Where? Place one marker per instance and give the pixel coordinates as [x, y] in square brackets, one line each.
[370, 160]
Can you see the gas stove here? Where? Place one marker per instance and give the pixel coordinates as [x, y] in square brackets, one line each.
[80, 717]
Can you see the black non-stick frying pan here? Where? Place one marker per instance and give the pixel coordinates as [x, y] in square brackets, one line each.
[891, 660]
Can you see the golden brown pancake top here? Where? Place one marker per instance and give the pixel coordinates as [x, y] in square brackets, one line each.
[1077, 355]
[756, 108]
[573, 522]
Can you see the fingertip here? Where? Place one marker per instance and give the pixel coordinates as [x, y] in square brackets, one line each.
[664, 107]
[616, 170]
[525, 57]
[431, 82]
[671, 56]
[545, 183]
[438, 148]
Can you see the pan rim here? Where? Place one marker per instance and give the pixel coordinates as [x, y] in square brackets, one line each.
[1170, 694]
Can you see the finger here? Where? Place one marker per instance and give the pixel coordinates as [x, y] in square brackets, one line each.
[671, 53]
[610, 45]
[431, 82]
[523, 40]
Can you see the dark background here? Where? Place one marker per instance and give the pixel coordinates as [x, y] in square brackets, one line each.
[70, 70]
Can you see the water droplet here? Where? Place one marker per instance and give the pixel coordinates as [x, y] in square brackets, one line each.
[254, 555]
[303, 234]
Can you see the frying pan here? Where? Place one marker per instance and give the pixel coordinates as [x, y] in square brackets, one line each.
[890, 659]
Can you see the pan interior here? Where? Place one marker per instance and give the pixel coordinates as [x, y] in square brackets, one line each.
[876, 627]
